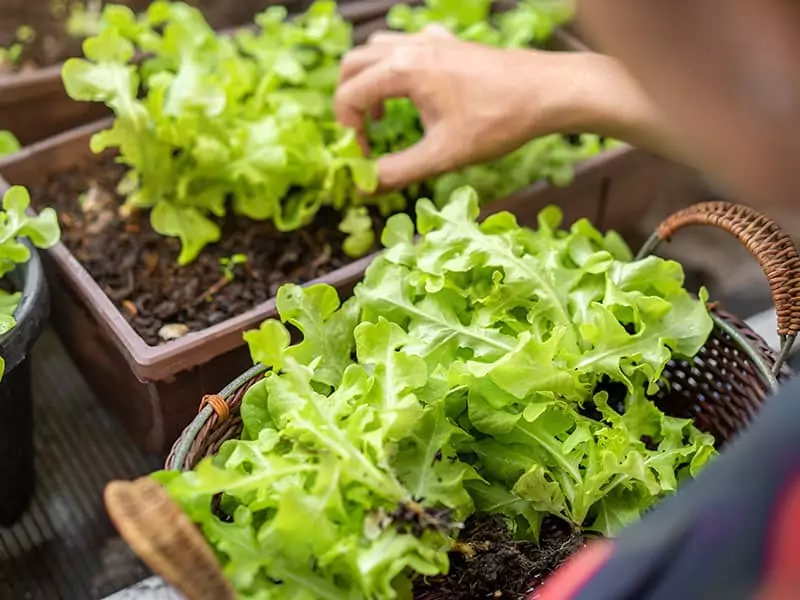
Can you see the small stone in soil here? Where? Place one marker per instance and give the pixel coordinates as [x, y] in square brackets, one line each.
[173, 331]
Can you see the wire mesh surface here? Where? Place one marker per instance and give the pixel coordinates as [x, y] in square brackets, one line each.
[65, 548]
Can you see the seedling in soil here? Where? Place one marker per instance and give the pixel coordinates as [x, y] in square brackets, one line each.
[229, 264]
[84, 20]
[11, 56]
[58, 8]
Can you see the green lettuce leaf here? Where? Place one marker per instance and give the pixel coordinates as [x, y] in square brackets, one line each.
[9, 144]
[8, 306]
[16, 225]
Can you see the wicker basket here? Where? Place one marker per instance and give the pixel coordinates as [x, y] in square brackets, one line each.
[721, 389]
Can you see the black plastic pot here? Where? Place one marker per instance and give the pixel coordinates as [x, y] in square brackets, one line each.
[17, 472]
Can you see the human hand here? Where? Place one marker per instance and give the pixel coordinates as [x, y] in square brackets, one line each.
[476, 103]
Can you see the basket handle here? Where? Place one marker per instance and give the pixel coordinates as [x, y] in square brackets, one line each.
[772, 247]
[164, 538]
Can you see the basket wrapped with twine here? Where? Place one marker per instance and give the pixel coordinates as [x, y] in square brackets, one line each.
[721, 389]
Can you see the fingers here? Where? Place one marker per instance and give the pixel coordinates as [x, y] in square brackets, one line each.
[415, 164]
[376, 72]
[382, 44]
[361, 58]
[379, 47]
[363, 92]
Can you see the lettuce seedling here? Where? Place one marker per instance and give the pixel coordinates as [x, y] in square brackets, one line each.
[15, 225]
[207, 121]
[9, 144]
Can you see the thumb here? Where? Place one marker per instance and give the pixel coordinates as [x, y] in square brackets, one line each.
[424, 159]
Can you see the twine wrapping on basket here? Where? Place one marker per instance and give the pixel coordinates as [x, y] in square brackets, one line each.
[721, 389]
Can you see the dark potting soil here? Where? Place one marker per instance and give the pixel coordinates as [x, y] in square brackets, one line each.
[6, 285]
[137, 268]
[489, 563]
[52, 43]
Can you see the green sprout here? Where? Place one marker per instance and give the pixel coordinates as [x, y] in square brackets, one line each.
[11, 55]
[228, 265]
[84, 19]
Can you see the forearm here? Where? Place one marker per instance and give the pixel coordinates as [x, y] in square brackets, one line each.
[595, 94]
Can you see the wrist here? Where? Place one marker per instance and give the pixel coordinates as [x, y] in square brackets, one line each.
[591, 93]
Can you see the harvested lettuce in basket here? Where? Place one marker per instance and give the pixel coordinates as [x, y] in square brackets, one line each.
[486, 368]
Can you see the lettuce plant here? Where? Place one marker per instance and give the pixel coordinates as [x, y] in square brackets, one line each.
[15, 225]
[12, 56]
[470, 373]
[207, 120]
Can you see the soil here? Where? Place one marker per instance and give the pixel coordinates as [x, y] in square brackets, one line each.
[50, 42]
[489, 563]
[138, 270]
[52, 45]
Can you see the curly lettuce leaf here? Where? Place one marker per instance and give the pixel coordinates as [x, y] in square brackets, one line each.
[17, 224]
[357, 224]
